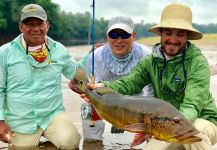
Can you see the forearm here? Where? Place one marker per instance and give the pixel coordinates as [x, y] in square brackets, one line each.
[196, 92]
[129, 85]
[2, 115]
[2, 103]
[2, 100]
[3, 80]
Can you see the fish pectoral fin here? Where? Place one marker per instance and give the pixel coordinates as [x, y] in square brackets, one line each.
[104, 90]
[139, 138]
[136, 127]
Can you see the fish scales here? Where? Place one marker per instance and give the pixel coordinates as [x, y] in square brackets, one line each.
[147, 115]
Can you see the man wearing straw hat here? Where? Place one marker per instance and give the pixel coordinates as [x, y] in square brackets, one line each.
[179, 74]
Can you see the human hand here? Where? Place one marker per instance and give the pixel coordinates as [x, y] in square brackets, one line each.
[5, 132]
[95, 85]
[92, 87]
[85, 98]
[115, 130]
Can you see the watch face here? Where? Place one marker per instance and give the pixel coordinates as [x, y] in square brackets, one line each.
[86, 111]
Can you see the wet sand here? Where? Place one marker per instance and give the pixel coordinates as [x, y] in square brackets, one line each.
[72, 102]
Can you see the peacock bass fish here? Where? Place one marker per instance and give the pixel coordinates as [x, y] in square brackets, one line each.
[148, 116]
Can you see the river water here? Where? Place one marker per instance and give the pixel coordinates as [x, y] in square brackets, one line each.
[72, 102]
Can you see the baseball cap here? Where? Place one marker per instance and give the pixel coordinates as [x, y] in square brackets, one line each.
[33, 10]
[121, 22]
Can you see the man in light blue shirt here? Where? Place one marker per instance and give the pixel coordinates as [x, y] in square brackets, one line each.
[31, 100]
[112, 61]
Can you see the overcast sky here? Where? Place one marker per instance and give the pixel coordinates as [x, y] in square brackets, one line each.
[204, 11]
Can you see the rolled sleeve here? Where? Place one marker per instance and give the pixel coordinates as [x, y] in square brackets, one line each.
[2, 84]
[70, 65]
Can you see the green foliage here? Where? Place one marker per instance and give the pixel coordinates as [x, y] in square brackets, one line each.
[3, 22]
[142, 30]
[67, 28]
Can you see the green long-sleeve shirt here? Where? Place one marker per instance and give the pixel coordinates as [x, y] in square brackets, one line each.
[189, 94]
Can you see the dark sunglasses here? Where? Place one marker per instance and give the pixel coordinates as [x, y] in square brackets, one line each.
[115, 35]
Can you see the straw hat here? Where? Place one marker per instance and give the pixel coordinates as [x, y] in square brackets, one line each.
[177, 16]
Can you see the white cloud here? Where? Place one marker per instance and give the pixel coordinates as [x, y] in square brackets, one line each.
[147, 10]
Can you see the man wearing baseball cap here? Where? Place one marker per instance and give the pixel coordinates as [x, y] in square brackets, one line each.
[31, 101]
[113, 60]
[179, 74]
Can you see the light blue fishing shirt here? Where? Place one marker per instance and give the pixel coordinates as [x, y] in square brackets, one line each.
[109, 67]
[30, 97]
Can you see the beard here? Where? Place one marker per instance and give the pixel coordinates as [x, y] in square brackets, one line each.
[172, 49]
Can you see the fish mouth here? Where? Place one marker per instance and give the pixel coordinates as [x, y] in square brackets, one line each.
[73, 87]
[188, 137]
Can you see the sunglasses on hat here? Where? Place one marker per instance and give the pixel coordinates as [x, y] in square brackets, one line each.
[116, 35]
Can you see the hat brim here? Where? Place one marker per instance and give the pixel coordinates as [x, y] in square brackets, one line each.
[121, 26]
[192, 35]
[33, 16]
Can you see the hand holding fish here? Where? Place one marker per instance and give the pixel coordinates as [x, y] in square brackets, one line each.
[148, 116]
[83, 96]
[91, 87]
[95, 86]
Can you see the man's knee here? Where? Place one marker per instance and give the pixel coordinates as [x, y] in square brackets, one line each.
[207, 133]
[68, 141]
[63, 133]
[206, 128]
[200, 124]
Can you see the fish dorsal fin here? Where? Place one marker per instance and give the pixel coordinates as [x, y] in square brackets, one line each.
[136, 127]
[105, 90]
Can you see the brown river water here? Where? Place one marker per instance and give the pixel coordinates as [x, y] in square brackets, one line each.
[72, 102]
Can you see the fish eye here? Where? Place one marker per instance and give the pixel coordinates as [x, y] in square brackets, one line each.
[81, 82]
[176, 120]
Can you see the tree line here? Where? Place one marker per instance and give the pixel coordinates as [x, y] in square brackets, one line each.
[66, 27]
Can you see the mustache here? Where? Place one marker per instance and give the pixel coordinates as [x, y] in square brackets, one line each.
[175, 44]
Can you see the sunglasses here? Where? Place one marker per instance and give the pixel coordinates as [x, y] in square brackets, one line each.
[115, 35]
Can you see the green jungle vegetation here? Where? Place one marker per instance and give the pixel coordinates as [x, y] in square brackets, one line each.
[66, 27]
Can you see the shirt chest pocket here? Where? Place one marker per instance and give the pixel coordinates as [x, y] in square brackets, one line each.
[18, 73]
[173, 82]
[51, 73]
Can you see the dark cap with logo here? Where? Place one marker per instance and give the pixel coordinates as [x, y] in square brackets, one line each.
[33, 10]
